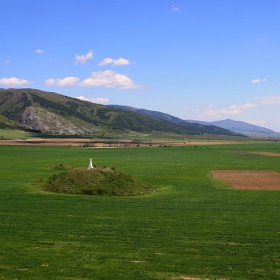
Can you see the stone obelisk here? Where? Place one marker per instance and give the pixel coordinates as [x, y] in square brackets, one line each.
[90, 164]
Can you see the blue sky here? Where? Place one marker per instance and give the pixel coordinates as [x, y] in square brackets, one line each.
[194, 59]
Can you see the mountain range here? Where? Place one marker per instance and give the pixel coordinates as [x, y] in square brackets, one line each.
[49, 112]
[236, 126]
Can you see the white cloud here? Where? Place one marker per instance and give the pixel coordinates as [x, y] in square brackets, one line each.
[231, 110]
[67, 81]
[7, 61]
[114, 62]
[121, 61]
[109, 79]
[99, 100]
[175, 9]
[270, 100]
[106, 61]
[256, 81]
[222, 112]
[244, 106]
[83, 58]
[13, 81]
[39, 51]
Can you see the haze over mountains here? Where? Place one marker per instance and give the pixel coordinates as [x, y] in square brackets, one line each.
[236, 126]
[50, 112]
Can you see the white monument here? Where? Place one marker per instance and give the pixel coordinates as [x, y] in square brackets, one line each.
[90, 164]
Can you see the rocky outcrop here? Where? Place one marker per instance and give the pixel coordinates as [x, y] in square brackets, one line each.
[39, 119]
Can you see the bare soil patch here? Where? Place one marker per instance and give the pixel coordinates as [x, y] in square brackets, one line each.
[246, 154]
[269, 154]
[257, 154]
[73, 142]
[249, 180]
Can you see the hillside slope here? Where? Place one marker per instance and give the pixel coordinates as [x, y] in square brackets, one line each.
[9, 124]
[54, 113]
[149, 113]
[206, 128]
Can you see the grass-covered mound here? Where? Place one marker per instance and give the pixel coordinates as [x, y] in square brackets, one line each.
[97, 181]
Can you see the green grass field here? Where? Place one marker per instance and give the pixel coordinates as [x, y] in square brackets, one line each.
[13, 134]
[188, 228]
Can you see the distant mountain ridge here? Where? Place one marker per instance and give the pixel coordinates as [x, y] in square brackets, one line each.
[50, 112]
[152, 114]
[236, 126]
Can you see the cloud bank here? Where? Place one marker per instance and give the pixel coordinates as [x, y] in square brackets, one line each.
[68, 81]
[270, 100]
[109, 79]
[13, 81]
[231, 110]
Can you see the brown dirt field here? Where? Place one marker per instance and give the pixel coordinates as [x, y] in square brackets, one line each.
[79, 142]
[257, 154]
[249, 180]
[268, 154]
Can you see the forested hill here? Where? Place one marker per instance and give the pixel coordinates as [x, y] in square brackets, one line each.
[51, 112]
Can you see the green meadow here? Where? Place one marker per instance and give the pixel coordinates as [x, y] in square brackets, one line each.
[14, 134]
[191, 227]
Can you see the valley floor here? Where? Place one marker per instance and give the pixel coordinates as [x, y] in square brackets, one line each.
[79, 142]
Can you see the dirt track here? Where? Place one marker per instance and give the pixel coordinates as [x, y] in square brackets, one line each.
[249, 180]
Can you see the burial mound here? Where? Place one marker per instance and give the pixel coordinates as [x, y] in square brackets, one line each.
[97, 181]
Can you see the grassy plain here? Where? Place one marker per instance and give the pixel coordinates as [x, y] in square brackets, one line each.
[189, 228]
[14, 134]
